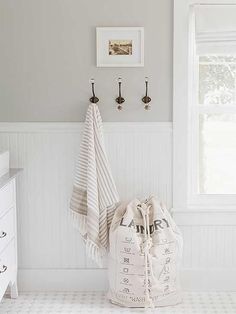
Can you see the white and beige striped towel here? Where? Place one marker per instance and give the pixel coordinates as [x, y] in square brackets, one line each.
[94, 196]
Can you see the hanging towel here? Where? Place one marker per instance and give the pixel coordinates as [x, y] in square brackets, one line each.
[94, 196]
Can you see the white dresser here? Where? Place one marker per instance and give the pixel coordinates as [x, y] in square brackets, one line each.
[8, 235]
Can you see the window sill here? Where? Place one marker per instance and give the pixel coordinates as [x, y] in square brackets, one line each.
[202, 216]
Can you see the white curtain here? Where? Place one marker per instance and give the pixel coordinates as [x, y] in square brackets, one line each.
[215, 27]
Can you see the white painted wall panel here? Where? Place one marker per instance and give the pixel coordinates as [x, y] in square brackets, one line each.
[209, 247]
[140, 156]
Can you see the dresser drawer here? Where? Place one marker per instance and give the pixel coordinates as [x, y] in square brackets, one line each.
[7, 228]
[7, 197]
[7, 266]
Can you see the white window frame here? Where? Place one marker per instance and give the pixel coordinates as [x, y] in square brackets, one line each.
[185, 126]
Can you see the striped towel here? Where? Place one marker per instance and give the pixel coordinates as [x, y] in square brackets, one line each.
[94, 196]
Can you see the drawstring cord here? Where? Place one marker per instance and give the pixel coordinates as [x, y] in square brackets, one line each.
[147, 244]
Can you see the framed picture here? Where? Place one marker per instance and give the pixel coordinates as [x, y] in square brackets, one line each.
[120, 46]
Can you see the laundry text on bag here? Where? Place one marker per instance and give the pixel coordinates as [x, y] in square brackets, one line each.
[158, 224]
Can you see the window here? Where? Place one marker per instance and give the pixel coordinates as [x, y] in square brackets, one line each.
[217, 124]
[212, 106]
[204, 105]
[217, 79]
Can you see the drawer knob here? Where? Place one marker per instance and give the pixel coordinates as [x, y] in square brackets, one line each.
[3, 234]
[4, 268]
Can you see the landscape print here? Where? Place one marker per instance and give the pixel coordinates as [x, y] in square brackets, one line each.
[120, 47]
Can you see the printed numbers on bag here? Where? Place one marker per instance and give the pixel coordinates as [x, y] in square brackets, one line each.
[166, 289]
[167, 251]
[166, 270]
[126, 290]
[148, 282]
[128, 239]
[168, 260]
[126, 260]
[167, 278]
[127, 249]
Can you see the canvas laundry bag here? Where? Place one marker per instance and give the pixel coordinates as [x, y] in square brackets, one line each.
[145, 251]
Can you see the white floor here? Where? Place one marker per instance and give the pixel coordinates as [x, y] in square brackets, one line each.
[96, 302]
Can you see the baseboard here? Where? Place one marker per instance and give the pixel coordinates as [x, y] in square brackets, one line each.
[208, 279]
[96, 280]
[62, 279]
[205, 217]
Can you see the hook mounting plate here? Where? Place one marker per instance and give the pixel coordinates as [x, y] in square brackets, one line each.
[120, 100]
[94, 99]
[146, 99]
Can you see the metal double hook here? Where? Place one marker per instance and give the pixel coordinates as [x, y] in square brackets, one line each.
[146, 99]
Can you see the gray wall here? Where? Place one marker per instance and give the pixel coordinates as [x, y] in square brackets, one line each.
[47, 56]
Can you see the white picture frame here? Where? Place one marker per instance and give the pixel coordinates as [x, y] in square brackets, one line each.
[120, 46]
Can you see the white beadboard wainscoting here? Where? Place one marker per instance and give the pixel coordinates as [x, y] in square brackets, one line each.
[51, 252]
